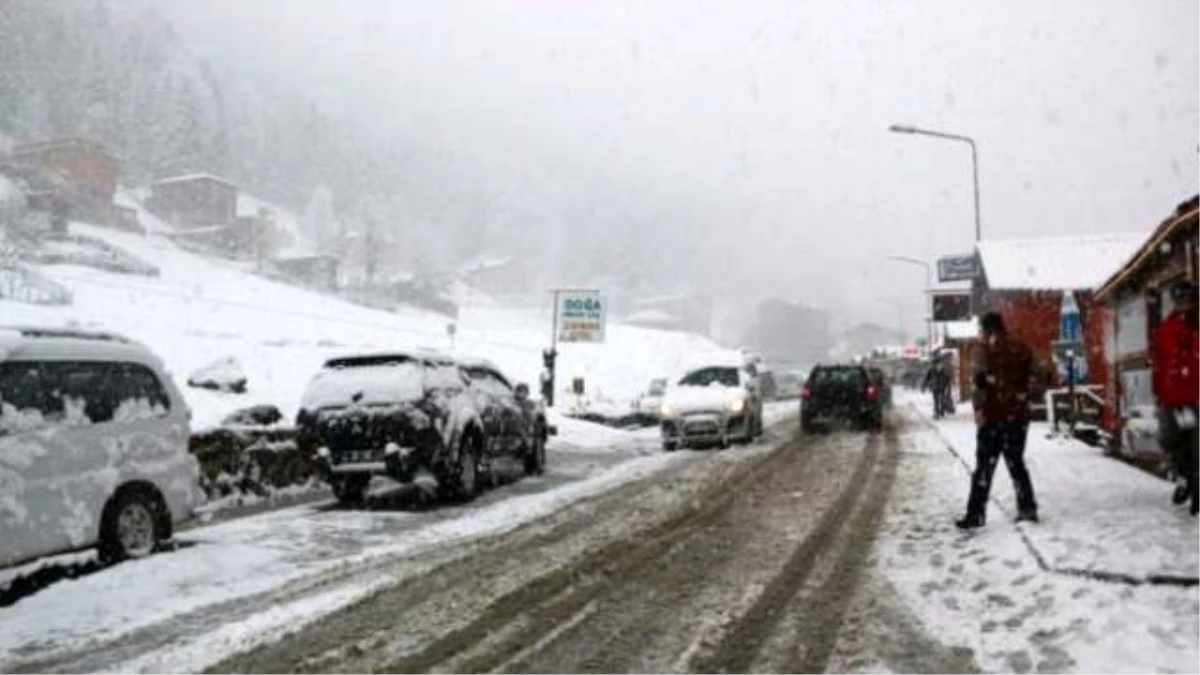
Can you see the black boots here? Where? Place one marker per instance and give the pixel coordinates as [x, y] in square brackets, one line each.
[1027, 516]
[970, 522]
[1181, 494]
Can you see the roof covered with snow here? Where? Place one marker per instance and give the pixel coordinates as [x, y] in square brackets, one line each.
[1070, 262]
[192, 177]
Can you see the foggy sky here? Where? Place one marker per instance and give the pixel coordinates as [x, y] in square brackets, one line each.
[761, 127]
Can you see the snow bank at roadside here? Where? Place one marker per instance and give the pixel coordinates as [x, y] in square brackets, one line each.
[257, 555]
[203, 309]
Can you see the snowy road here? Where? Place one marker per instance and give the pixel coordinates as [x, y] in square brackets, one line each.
[795, 554]
[740, 561]
[241, 582]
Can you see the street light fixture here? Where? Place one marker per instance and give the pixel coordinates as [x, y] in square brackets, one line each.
[909, 129]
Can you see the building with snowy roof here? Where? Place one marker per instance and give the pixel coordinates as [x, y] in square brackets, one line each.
[1030, 281]
[194, 200]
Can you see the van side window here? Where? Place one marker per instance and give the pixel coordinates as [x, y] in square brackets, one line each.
[34, 394]
[138, 392]
[27, 400]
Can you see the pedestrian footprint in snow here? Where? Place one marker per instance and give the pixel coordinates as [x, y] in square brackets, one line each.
[1006, 377]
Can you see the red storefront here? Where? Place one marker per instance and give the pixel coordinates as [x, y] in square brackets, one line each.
[1026, 281]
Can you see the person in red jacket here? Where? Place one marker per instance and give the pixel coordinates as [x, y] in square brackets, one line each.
[1176, 362]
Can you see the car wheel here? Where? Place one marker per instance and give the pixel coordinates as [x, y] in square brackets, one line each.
[132, 525]
[460, 482]
[535, 460]
[350, 490]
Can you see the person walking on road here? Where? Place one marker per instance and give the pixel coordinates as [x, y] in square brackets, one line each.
[1006, 373]
[937, 380]
[1176, 364]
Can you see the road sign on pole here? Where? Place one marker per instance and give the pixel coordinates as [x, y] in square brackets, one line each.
[579, 316]
[957, 268]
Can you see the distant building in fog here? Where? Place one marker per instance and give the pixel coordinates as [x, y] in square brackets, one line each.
[787, 332]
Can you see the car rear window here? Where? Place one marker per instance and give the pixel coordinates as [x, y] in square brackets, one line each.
[838, 376]
[365, 381]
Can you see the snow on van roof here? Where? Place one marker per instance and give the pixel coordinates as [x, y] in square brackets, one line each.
[1068, 262]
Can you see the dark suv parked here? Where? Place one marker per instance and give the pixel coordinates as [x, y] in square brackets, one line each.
[841, 393]
[395, 414]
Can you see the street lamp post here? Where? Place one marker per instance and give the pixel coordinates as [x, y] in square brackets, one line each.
[909, 129]
[928, 285]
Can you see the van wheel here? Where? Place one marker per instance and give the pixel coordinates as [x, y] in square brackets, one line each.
[460, 481]
[132, 525]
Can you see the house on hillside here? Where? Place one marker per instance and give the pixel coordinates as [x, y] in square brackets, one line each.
[77, 178]
[194, 200]
[1137, 295]
[203, 208]
[1028, 280]
[315, 270]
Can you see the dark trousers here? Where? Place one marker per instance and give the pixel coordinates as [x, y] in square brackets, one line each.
[1176, 442]
[993, 441]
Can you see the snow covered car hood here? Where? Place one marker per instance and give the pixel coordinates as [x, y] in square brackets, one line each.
[683, 400]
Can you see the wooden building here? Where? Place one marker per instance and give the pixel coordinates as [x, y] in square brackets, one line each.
[1137, 295]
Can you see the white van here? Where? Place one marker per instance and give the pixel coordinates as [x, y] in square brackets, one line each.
[93, 446]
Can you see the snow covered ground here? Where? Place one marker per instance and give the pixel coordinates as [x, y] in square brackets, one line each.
[239, 583]
[203, 309]
[987, 591]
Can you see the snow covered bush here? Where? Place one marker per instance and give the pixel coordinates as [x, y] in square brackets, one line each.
[225, 374]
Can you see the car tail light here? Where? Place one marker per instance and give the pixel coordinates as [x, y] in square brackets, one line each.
[805, 393]
[872, 392]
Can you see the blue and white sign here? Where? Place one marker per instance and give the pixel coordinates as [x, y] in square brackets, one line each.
[1070, 350]
[581, 316]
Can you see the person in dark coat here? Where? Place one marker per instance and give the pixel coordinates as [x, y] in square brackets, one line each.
[1006, 376]
[937, 380]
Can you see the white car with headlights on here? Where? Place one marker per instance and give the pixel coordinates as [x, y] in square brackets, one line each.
[712, 405]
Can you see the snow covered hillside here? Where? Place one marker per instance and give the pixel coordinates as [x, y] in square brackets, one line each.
[200, 310]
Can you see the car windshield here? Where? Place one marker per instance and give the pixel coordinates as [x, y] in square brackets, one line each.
[722, 376]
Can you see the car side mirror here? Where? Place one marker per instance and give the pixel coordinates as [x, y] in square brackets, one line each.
[521, 392]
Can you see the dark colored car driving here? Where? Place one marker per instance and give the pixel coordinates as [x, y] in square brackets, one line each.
[841, 394]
